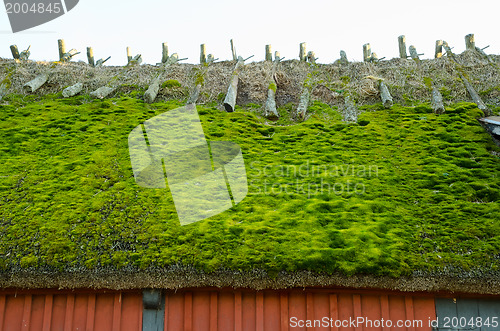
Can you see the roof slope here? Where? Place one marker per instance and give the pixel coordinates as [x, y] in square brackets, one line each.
[404, 197]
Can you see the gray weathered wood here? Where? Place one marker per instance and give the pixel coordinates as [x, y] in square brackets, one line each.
[211, 58]
[4, 87]
[470, 43]
[303, 103]
[437, 101]
[277, 56]
[136, 60]
[36, 83]
[311, 57]
[100, 62]
[203, 54]
[152, 92]
[402, 47]
[69, 55]
[374, 57]
[14, 51]
[350, 111]
[90, 56]
[367, 53]
[385, 95]
[154, 86]
[62, 48]
[269, 54]
[343, 58]
[270, 110]
[302, 52]
[232, 90]
[233, 51]
[72, 90]
[102, 92]
[470, 89]
[164, 52]
[25, 54]
[439, 49]
[194, 95]
[414, 54]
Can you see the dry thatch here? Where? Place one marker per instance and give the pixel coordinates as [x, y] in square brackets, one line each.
[408, 81]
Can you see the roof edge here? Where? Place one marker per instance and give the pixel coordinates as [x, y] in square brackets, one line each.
[179, 277]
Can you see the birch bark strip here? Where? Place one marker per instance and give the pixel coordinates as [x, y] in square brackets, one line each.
[385, 95]
[437, 101]
[36, 83]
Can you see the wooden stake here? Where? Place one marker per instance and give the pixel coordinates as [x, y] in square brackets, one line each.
[232, 90]
[62, 48]
[129, 56]
[233, 51]
[343, 58]
[90, 56]
[277, 56]
[14, 51]
[164, 52]
[270, 107]
[470, 44]
[203, 54]
[402, 47]
[367, 52]
[269, 54]
[302, 52]
[439, 49]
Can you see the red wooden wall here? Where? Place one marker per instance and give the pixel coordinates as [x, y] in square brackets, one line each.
[62, 310]
[209, 309]
[242, 310]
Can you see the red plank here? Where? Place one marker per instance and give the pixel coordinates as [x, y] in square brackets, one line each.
[90, 312]
[285, 319]
[188, 311]
[425, 310]
[334, 311]
[165, 318]
[47, 313]
[117, 312]
[356, 304]
[214, 314]
[271, 313]
[237, 311]
[410, 316]
[384, 310]
[259, 311]
[309, 308]
[249, 313]
[25, 326]
[201, 311]
[2, 310]
[70, 306]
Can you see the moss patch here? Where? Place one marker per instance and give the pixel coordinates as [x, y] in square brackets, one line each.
[405, 191]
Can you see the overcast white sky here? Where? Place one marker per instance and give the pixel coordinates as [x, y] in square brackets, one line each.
[109, 26]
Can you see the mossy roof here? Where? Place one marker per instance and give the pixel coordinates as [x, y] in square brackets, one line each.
[403, 194]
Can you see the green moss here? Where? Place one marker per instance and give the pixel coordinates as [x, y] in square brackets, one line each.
[404, 190]
[171, 83]
[272, 86]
